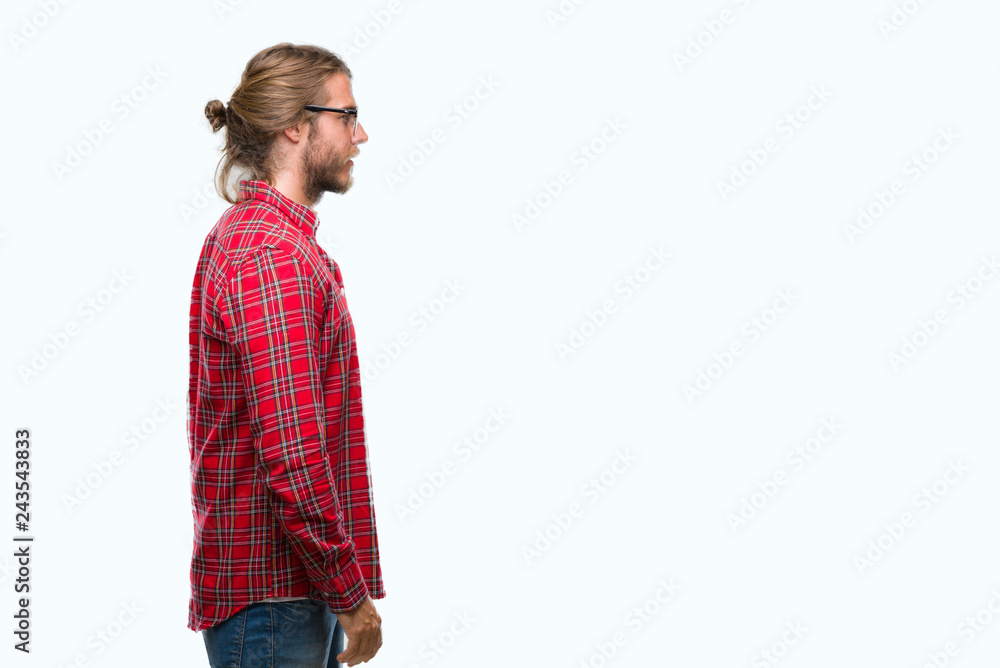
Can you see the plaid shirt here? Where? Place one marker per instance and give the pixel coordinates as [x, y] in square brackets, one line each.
[280, 487]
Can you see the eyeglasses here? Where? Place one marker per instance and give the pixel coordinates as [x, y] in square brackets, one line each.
[349, 112]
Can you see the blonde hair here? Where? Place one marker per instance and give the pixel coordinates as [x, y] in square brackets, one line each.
[276, 85]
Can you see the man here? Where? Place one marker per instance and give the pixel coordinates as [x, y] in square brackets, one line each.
[285, 559]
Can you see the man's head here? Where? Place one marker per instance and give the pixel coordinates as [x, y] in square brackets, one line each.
[330, 142]
[271, 135]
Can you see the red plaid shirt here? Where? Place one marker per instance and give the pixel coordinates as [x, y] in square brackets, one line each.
[280, 487]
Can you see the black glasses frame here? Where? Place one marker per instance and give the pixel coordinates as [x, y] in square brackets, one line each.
[349, 112]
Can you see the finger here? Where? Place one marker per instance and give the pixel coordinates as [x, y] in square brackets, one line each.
[350, 652]
[365, 649]
[355, 651]
[368, 645]
[350, 661]
[342, 658]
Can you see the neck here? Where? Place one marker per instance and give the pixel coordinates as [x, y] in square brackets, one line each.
[290, 185]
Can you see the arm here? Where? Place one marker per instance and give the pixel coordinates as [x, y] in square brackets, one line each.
[274, 311]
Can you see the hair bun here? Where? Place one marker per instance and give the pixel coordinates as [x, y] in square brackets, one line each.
[215, 112]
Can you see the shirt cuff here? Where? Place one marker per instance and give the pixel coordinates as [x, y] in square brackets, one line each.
[346, 591]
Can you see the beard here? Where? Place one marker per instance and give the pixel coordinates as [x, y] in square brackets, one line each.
[324, 171]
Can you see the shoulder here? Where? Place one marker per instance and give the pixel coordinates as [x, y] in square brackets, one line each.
[253, 229]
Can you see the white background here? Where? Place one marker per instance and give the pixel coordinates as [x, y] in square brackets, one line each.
[135, 203]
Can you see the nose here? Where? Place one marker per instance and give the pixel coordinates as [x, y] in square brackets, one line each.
[360, 137]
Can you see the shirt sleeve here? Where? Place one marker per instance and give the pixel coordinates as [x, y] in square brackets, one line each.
[274, 310]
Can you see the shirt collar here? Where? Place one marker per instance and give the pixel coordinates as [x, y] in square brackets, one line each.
[302, 216]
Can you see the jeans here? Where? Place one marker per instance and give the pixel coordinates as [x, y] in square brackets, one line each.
[287, 634]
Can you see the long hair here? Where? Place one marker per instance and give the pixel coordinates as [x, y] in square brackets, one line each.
[276, 85]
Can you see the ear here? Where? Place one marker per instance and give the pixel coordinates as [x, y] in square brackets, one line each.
[297, 132]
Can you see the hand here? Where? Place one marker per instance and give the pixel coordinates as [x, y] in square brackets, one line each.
[363, 628]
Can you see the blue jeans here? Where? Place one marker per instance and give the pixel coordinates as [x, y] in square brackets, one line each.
[296, 634]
